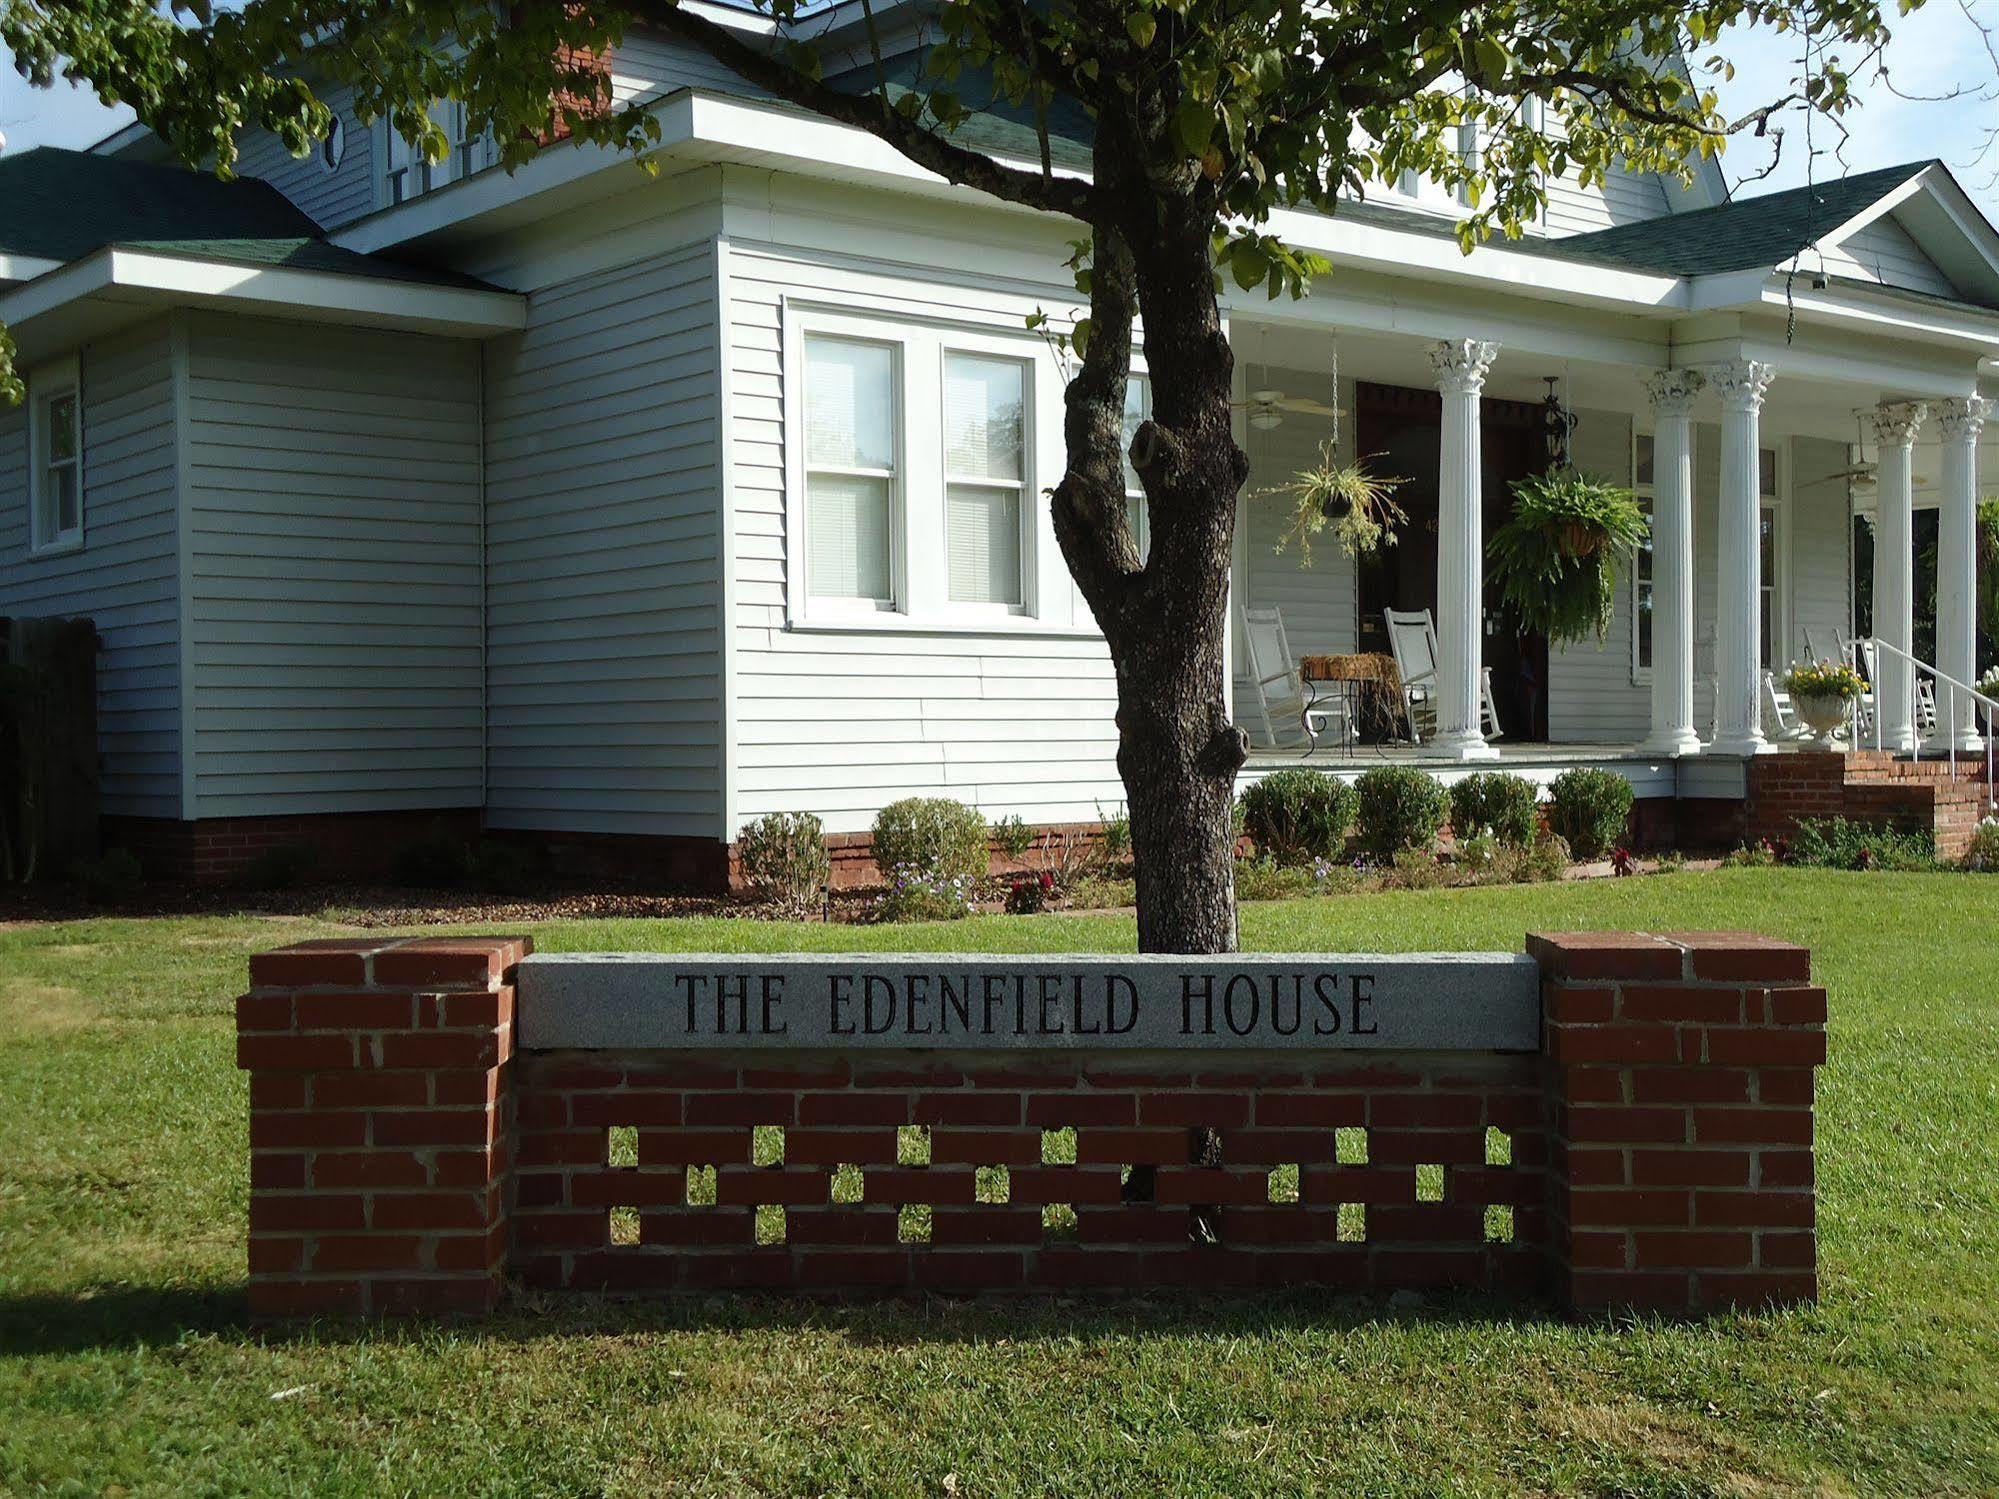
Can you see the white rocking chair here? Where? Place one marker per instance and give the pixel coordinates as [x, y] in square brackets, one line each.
[1280, 690]
[1412, 637]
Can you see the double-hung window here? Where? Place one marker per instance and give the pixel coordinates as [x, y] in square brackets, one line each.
[913, 479]
[1770, 541]
[55, 458]
[1641, 562]
[411, 174]
[852, 453]
[985, 478]
[1137, 411]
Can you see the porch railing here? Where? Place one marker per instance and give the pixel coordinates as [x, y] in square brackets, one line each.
[1946, 689]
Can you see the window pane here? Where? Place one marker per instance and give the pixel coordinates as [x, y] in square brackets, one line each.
[982, 417]
[62, 428]
[848, 522]
[1641, 585]
[1766, 470]
[1767, 547]
[68, 504]
[1642, 465]
[1137, 408]
[849, 404]
[983, 537]
[1141, 524]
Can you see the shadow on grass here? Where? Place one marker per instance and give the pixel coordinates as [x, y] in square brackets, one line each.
[120, 1317]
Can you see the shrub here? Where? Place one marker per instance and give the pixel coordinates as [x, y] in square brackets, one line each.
[1260, 877]
[1296, 815]
[1670, 862]
[1417, 869]
[1398, 807]
[1030, 893]
[1983, 855]
[925, 895]
[110, 877]
[1835, 843]
[1013, 836]
[1115, 840]
[1507, 805]
[1589, 808]
[930, 835]
[1093, 892]
[1481, 853]
[436, 858]
[1548, 859]
[1762, 854]
[783, 858]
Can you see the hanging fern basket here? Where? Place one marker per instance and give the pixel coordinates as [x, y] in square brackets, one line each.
[1559, 556]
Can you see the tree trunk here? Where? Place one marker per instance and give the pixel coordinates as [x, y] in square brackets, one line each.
[1178, 752]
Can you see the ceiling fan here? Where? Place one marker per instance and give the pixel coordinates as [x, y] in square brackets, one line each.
[1268, 408]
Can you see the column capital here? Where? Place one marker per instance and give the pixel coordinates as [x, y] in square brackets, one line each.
[1461, 364]
[1672, 392]
[1960, 417]
[1896, 423]
[1742, 384]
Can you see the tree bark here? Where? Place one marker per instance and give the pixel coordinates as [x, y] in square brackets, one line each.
[1178, 751]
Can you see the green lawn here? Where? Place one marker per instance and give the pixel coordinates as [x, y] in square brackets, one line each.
[125, 1363]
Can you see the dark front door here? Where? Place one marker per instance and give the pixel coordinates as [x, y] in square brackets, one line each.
[1400, 431]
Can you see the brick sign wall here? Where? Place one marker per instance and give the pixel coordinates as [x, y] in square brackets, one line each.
[1644, 1139]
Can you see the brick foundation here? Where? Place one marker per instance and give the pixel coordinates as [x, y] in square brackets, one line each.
[1657, 1152]
[330, 846]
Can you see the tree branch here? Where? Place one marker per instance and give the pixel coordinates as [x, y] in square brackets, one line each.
[867, 112]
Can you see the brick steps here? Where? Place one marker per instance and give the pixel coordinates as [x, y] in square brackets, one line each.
[1870, 786]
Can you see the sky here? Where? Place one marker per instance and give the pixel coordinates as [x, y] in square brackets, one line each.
[1940, 99]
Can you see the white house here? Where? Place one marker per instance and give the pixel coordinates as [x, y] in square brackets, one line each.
[623, 509]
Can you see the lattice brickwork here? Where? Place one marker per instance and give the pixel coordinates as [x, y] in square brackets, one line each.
[638, 1173]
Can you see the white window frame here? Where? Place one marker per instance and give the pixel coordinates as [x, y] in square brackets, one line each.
[47, 384]
[826, 605]
[918, 520]
[1778, 581]
[1646, 495]
[467, 157]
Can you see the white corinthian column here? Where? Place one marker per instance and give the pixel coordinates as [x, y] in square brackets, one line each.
[1895, 426]
[1672, 393]
[1958, 424]
[1738, 628]
[1461, 365]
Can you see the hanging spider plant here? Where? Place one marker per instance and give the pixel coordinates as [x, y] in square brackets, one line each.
[1558, 557]
[1359, 506]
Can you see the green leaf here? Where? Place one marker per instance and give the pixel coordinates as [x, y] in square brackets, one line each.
[1247, 264]
[1493, 59]
[1194, 125]
[1141, 26]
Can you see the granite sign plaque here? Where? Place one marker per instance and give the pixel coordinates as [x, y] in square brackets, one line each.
[953, 1001]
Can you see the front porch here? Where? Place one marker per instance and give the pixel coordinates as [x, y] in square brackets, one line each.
[1764, 488]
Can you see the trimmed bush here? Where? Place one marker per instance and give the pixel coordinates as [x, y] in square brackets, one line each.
[1398, 807]
[930, 835]
[1298, 815]
[783, 857]
[1589, 808]
[1507, 804]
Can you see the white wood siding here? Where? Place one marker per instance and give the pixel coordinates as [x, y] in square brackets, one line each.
[841, 722]
[1591, 697]
[1820, 527]
[124, 578]
[333, 507]
[332, 198]
[1625, 198]
[1883, 251]
[603, 565]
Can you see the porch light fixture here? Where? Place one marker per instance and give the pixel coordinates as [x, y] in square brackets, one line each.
[1558, 424]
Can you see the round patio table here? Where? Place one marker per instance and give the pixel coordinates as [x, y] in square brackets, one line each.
[1367, 684]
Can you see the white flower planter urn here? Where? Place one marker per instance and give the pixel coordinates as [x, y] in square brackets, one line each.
[1826, 713]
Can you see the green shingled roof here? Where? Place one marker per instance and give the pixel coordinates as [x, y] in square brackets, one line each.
[1749, 234]
[61, 205]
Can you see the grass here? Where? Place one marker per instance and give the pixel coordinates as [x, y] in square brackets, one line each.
[125, 1363]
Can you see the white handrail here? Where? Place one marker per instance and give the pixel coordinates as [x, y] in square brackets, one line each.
[1946, 711]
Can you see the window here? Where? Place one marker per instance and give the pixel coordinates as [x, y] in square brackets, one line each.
[985, 468]
[851, 458]
[411, 176]
[55, 458]
[1137, 410]
[1769, 531]
[1641, 562]
[916, 475]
